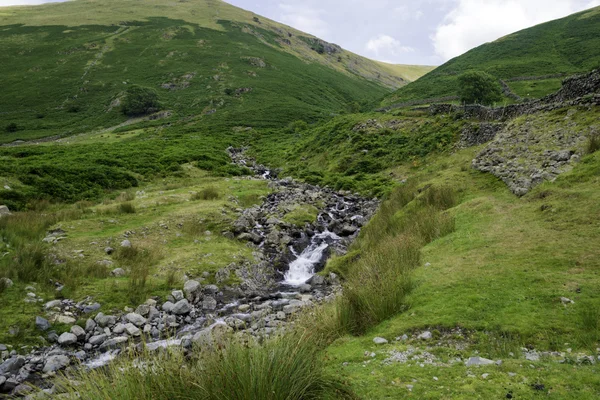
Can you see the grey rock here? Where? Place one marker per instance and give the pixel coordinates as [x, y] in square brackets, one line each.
[7, 283]
[380, 340]
[126, 243]
[136, 319]
[105, 320]
[91, 308]
[114, 343]
[55, 363]
[132, 330]
[12, 365]
[42, 323]
[182, 307]
[67, 339]
[118, 329]
[177, 295]
[52, 304]
[2, 380]
[211, 290]
[97, 340]
[209, 303]
[65, 319]
[168, 306]
[425, 335]
[478, 361]
[118, 272]
[78, 331]
[316, 280]
[192, 289]
[143, 310]
[4, 211]
[109, 250]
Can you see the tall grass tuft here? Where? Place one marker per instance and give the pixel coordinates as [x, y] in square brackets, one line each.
[378, 284]
[593, 143]
[138, 260]
[379, 276]
[590, 324]
[288, 367]
[209, 193]
[127, 208]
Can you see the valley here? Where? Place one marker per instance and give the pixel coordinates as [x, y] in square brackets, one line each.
[285, 219]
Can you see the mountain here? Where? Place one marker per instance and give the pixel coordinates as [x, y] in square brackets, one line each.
[65, 66]
[532, 61]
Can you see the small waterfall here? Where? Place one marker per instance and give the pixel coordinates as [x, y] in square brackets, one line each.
[303, 267]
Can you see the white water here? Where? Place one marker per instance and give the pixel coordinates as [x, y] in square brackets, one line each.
[102, 359]
[303, 267]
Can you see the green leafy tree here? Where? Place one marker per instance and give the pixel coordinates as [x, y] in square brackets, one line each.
[140, 100]
[478, 87]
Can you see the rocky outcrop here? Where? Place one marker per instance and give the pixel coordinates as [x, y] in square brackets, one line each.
[475, 134]
[524, 155]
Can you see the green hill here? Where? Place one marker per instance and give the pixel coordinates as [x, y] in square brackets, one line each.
[531, 61]
[66, 66]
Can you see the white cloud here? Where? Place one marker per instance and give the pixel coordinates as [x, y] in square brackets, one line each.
[386, 46]
[474, 22]
[303, 18]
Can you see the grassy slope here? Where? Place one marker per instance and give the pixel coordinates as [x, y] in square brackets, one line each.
[500, 276]
[567, 45]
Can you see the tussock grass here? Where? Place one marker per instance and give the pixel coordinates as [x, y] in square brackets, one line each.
[379, 278]
[126, 196]
[209, 193]
[127, 208]
[138, 261]
[593, 143]
[286, 367]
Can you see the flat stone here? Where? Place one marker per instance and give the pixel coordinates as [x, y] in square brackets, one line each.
[65, 320]
[55, 363]
[380, 340]
[78, 331]
[91, 308]
[114, 343]
[132, 330]
[478, 361]
[52, 304]
[105, 320]
[67, 339]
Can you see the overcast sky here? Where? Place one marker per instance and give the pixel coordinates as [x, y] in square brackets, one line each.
[406, 31]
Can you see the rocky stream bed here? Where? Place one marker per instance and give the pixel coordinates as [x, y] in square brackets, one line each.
[273, 289]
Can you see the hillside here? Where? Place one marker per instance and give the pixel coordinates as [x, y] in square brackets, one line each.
[67, 65]
[532, 61]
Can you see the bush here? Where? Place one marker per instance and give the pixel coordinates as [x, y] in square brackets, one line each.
[139, 101]
[478, 87]
[12, 127]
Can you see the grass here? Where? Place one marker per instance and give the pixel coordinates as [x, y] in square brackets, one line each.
[573, 42]
[593, 144]
[286, 367]
[301, 214]
[209, 193]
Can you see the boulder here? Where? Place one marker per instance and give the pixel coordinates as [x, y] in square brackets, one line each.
[90, 325]
[177, 295]
[78, 331]
[135, 319]
[182, 307]
[380, 340]
[4, 211]
[192, 289]
[211, 290]
[209, 303]
[105, 320]
[215, 335]
[42, 323]
[168, 306]
[118, 272]
[143, 310]
[67, 339]
[55, 363]
[12, 365]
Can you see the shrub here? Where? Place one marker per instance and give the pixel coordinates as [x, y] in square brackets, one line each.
[209, 193]
[12, 127]
[139, 100]
[478, 87]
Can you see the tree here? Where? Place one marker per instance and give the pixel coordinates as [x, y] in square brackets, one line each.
[139, 100]
[478, 87]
